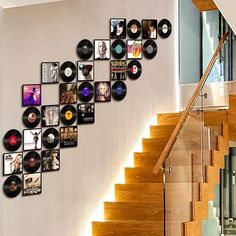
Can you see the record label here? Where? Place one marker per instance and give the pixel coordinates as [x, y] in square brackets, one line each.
[134, 29]
[68, 71]
[85, 92]
[68, 115]
[84, 49]
[12, 186]
[50, 138]
[31, 117]
[150, 49]
[12, 140]
[32, 162]
[119, 90]
[164, 28]
[134, 69]
[118, 49]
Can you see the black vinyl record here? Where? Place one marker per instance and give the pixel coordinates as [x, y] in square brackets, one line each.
[164, 28]
[31, 117]
[50, 138]
[118, 90]
[12, 186]
[150, 49]
[68, 115]
[134, 69]
[68, 71]
[118, 49]
[134, 29]
[85, 92]
[12, 140]
[32, 161]
[84, 49]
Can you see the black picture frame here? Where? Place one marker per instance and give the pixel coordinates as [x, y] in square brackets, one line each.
[32, 141]
[31, 95]
[32, 184]
[85, 70]
[118, 70]
[50, 115]
[68, 93]
[117, 28]
[149, 29]
[134, 49]
[50, 72]
[102, 91]
[105, 45]
[50, 162]
[9, 160]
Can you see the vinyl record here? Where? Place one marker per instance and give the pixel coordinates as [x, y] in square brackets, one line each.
[12, 140]
[134, 69]
[50, 138]
[84, 49]
[68, 115]
[12, 186]
[118, 90]
[150, 49]
[164, 28]
[68, 71]
[85, 92]
[32, 161]
[134, 29]
[118, 49]
[31, 117]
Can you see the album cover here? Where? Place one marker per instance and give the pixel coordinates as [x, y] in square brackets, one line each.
[32, 139]
[149, 28]
[32, 184]
[12, 163]
[102, 91]
[31, 95]
[102, 49]
[85, 70]
[118, 28]
[68, 136]
[68, 93]
[118, 69]
[85, 113]
[50, 115]
[134, 49]
[50, 72]
[51, 160]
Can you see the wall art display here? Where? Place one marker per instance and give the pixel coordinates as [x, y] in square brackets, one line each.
[118, 28]
[84, 49]
[85, 92]
[50, 138]
[12, 140]
[12, 163]
[118, 69]
[134, 29]
[68, 136]
[68, 71]
[12, 186]
[31, 161]
[85, 113]
[50, 72]
[102, 49]
[149, 28]
[134, 49]
[85, 70]
[32, 184]
[32, 139]
[149, 49]
[31, 95]
[164, 28]
[68, 93]
[118, 90]
[68, 115]
[31, 117]
[102, 91]
[134, 69]
[50, 115]
[118, 49]
[51, 160]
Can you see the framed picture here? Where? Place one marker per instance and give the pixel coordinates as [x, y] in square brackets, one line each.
[102, 49]
[50, 115]
[32, 184]
[12, 163]
[50, 72]
[32, 139]
[118, 28]
[31, 95]
[134, 49]
[85, 70]
[51, 160]
[102, 91]
[68, 93]
[118, 69]
[149, 29]
[68, 136]
[85, 113]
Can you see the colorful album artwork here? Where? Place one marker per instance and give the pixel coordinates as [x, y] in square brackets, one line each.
[51, 160]
[50, 115]
[102, 49]
[85, 70]
[68, 136]
[31, 95]
[85, 113]
[149, 28]
[68, 93]
[134, 49]
[102, 91]
[12, 163]
[50, 72]
[32, 184]
[32, 139]
[118, 70]
[118, 28]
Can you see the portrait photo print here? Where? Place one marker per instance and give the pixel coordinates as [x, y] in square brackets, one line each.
[31, 95]
[32, 139]
[118, 28]
[102, 91]
[102, 49]
[50, 72]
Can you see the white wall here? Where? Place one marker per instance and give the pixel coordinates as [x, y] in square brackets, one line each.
[51, 32]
